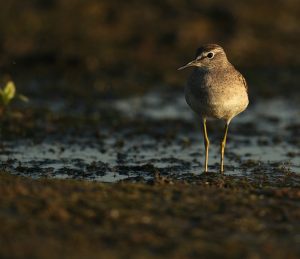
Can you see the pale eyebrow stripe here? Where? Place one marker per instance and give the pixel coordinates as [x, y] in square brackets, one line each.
[204, 54]
[216, 50]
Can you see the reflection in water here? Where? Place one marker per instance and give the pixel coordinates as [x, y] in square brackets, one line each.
[270, 145]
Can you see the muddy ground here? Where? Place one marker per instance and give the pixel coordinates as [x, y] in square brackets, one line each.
[154, 200]
[106, 159]
[212, 217]
[132, 138]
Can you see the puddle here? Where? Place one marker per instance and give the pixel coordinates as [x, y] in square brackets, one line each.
[263, 137]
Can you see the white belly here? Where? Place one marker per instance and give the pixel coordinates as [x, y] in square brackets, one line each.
[218, 106]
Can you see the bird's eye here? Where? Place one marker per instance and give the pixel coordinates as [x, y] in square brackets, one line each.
[210, 55]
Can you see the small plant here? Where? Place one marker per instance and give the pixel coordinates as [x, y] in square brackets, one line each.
[7, 94]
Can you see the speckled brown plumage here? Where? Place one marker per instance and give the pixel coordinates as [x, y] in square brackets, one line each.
[215, 89]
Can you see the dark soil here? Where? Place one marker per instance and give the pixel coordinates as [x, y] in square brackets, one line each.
[108, 118]
[161, 205]
[211, 217]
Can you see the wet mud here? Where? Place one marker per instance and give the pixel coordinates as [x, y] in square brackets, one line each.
[106, 160]
[124, 178]
[155, 134]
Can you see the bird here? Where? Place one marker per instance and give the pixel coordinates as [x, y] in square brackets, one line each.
[215, 89]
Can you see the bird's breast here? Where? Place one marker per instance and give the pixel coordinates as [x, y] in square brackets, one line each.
[215, 96]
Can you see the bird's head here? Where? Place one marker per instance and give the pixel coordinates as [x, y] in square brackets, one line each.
[208, 56]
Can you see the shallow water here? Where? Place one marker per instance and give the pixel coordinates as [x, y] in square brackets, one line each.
[263, 138]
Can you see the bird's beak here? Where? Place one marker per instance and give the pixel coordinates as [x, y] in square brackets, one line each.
[190, 64]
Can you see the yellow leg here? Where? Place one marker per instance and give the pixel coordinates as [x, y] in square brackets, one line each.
[223, 144]
[206, 144]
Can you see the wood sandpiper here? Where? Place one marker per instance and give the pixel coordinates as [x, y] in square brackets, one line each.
[216, 90]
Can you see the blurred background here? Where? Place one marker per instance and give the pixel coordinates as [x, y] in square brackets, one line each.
[112, 48]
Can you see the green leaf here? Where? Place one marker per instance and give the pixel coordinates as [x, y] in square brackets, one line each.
[9, 92]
